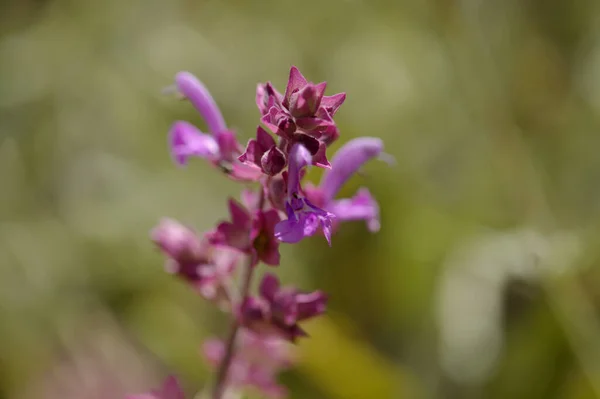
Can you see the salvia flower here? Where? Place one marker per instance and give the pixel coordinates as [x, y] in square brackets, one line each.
[346, 162]
[183, 247]
[220, 147]
[278, 310]
[304, 219]
[195, 260]
[169, 390]
[220, 263]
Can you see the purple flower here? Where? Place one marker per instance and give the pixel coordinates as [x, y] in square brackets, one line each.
[196, 261]
[304, 218]
[169, 390]
[181, 245]
[220, 147]
[257, 361]
[251, 233]
[278, 310]
[347, 160]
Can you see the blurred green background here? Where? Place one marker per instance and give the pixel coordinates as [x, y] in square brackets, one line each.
[484, 279]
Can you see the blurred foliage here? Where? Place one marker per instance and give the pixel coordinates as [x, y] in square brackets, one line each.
[483, 282]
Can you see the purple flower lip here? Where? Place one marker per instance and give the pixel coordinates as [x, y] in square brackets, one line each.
[186, 140]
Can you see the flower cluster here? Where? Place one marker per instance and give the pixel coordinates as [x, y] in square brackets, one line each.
[296, 129]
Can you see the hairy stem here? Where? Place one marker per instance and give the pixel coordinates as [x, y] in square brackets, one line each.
[248, 272]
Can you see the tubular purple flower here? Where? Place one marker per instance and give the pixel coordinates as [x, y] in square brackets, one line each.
[346, 161]
[193, 89]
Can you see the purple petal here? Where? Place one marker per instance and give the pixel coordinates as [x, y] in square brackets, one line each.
[305, 224]
[266, 97]
[264, 139]
[269, 286]
[179, 242]
[311, 223]
[361, 207]
[271, 256]
[332, 103]
[311, 304]
[347, 160]
[306, 101]
[243, 172]
[252, 154]
[239, 214]
[201, 99]
[289, 231]
[186, 140]
[295, 82]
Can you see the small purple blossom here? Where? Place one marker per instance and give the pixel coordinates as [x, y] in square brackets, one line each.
[346, 162]
[169, 390]
[304, 218]
[278, 310]
[220, 147]
[196, 261]
[181, 245]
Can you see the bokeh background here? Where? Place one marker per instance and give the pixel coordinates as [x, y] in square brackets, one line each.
[483, 281]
